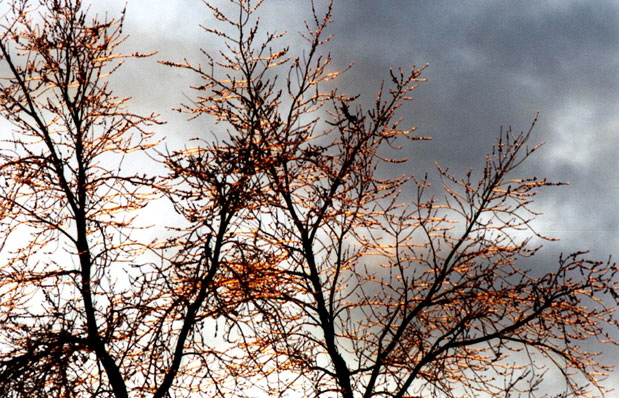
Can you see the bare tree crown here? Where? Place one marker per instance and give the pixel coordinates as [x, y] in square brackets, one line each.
[298, 270]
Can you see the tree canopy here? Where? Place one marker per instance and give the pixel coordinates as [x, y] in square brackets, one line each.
[297, 265]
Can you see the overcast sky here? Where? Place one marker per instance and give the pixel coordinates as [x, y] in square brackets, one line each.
[492, 63]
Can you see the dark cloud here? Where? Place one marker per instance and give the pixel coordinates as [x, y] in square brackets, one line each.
[497, 63]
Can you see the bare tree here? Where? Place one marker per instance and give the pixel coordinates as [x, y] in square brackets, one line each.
[67, 208]
[297, 270]
[90, 305]
[379, 294]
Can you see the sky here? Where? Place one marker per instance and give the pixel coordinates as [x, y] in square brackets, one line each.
[492, 64]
